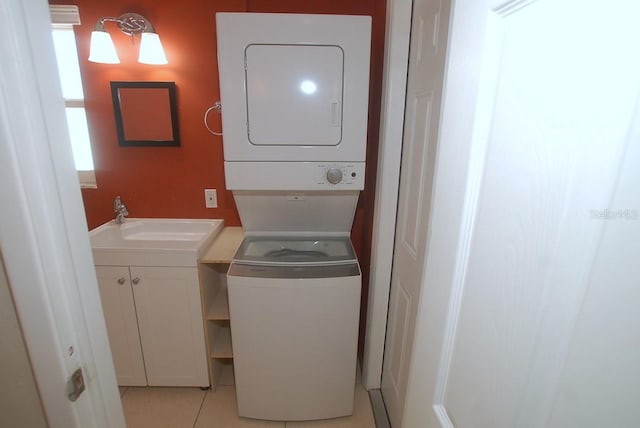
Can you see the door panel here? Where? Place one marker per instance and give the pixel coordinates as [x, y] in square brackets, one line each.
[122, 324]
[400, 311]
[603, 354]
[170, 322]
[426, 64]
[534, 322]
[552, 154]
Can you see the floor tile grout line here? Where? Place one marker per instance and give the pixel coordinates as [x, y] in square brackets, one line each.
[199, 410]
[204, 397]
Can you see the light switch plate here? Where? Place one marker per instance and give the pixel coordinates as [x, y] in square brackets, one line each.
[210, 198]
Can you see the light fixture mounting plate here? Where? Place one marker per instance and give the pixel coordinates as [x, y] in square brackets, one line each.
[133, 23]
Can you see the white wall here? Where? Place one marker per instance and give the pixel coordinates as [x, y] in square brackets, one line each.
[19, 400]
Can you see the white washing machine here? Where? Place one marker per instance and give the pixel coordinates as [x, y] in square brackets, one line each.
[294, 308]
[294, 91]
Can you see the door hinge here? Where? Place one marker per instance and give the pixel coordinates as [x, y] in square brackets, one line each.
[75, 385]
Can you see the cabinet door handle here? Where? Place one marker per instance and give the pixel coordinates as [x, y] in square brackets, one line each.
[136, 280]
[121, 281]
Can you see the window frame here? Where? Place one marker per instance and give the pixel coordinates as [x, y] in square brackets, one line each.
[65, 17]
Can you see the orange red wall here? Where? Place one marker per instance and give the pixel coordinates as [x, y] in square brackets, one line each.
[170, 181]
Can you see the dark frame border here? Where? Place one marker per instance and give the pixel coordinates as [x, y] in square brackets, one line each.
[122, 141]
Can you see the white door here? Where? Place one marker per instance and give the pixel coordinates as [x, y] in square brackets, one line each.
[43, 232]
[119, 310]
[424, 91]
[528, 313]
[170, 323]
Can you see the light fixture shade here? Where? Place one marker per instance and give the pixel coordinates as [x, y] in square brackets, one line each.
[151, 51]
[102, 49]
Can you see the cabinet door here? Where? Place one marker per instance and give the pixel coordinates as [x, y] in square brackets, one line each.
[171, 325]
[122, 325]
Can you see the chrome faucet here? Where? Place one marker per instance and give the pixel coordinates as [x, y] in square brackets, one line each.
[119, 210]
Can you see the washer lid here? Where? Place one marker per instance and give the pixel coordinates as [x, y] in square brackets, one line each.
[295, 250]
[303, 213]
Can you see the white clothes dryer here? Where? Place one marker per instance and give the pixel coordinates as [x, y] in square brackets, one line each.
[294, 87]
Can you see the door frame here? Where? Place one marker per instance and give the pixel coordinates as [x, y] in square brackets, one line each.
[27, 174]
[43, 232]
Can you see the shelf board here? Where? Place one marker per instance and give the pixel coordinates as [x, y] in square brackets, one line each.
[221, 348]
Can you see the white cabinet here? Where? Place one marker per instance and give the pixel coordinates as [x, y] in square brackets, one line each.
[154, 322]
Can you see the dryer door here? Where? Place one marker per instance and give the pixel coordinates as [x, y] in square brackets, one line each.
[294, 94]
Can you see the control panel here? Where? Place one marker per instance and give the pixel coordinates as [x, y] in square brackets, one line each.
[339, 174]
[295, 175]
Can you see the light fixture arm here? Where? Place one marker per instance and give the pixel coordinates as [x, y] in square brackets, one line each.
[102, 49]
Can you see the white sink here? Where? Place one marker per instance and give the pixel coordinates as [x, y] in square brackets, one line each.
[153, 241]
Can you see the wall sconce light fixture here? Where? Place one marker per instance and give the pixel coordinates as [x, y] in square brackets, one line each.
[102, 48]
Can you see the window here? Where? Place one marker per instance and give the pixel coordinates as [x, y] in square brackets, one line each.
[63, 19]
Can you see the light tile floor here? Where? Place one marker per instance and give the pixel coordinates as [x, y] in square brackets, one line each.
[194, 408]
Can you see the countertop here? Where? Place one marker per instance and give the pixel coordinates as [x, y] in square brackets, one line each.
[224, 246]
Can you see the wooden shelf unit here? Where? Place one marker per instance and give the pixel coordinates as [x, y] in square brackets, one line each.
[212, 268]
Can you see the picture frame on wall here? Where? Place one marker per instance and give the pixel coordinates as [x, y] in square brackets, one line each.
[146, 113]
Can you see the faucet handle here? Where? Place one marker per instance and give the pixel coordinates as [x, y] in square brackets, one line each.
[117, 203]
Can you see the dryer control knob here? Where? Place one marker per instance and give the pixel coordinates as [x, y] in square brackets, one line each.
[334, 176]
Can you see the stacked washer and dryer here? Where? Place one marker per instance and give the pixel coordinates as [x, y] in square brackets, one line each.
[294, 91]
